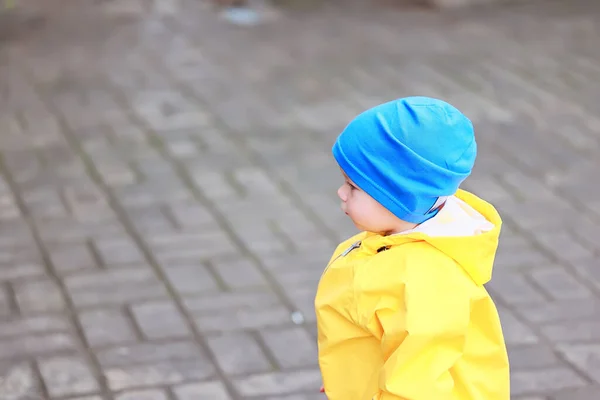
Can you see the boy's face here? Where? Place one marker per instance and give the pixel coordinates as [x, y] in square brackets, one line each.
[366, 213]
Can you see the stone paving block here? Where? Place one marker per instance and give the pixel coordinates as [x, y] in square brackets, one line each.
[564, 247]
[190, 246]
[533, 215]
[148, 217]
[238, 353]
[31, 346]
[189, 215]
[298, 397]
[257, 237]
[238, 273]
[523, 357]
[182, 148]
[589, 270]
[44, 202]
[23, 326]
[157, 373]
[67, 376]
[231, 301]
[169, 111]
[15, 234]
[255, 180]
[225, 312]
[160, 320]
[140, 353]
[118, 251]
[564, 311]
[515, 331]
[143, 395]
[18, 381]
[106, 327]
[585, 393]
[42, 295]
[153, 193]
[303, 352]
[6, 307]
[115, 286]
[71, 229]
[514, 288]
[201, 391]
[544, 380]
[573, 331]
[242, 319]
[72, 257]
[303, 298]
[277, 383]
[522, 256]
[214, 185]
[153, 364]
[190, 278]
[585, 356]
[560, 284]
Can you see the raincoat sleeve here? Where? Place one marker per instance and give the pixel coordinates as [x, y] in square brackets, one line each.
[422, 332]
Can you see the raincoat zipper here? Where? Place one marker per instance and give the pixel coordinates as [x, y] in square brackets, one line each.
[354, 246]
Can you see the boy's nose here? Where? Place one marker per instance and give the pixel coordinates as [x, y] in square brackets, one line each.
[342, 193]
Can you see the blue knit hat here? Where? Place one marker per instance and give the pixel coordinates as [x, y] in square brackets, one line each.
[408, 154]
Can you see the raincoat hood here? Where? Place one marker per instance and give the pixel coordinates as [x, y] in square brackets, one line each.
[466, 229]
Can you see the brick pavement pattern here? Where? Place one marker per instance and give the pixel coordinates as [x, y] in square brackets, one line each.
[167, 194]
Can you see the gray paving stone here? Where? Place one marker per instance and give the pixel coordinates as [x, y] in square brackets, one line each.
[561, 310]
[148, 352]
[588, 270]
[67, 376]
[238, 353]
[118, 251]
[201, 391]
[585, 393]
[190, 278]
[278, 383]
[159, 320]
[575, 331]
[239, 273]
[5, 303]
[18, 381]
[190, 246]
[544, 380]
[106, 327]
[21, 270]
[142, 395]
[33, 325]
[585, 356]
[157, 373]
[243, 319]
[37, 296]
[115, 286]
[515, 331]
[560, 284]
[524, 357]
[28, 346]
[303, 352]
[72, 257]
[514, 288]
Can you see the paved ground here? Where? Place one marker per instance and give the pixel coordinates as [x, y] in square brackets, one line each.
[168, 198]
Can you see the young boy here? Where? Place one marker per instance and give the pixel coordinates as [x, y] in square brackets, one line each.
[402, 312]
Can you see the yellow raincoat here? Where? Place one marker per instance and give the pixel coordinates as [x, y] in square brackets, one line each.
[406, 316]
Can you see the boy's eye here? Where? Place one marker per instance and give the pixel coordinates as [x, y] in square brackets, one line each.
[352, 187]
